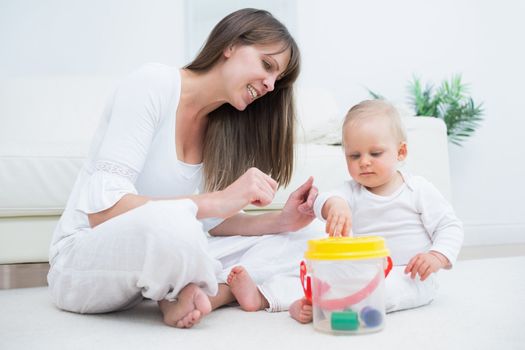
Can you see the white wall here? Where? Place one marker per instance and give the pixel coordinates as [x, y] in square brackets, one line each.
[61, 59]
[380, 44]
[88, 37]
[346, 47]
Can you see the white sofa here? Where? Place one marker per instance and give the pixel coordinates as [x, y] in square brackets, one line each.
[46, 127]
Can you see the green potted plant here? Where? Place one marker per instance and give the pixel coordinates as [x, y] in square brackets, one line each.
[449, 102]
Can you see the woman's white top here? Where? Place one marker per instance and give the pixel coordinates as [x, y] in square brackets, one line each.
[414, 219]
[133, 151]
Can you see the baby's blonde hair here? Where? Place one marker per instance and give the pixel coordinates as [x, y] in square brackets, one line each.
[367, 109]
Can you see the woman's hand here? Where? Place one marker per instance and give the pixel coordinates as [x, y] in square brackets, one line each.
[253, 187]
[298, 210]
[338, 217]
[424, 264]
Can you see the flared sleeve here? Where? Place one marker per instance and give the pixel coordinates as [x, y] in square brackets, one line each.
[123, 140]
[104, 188]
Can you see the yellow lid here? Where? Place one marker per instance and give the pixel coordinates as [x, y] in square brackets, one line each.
[348, 248]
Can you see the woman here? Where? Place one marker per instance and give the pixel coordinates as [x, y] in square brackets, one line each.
[223, 124]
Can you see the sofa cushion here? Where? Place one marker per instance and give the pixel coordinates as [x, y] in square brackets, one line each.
[47, 125]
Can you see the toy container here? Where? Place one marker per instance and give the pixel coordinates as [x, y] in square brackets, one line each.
[343, 277]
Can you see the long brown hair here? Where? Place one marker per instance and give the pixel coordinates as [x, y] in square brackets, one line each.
[262, 135]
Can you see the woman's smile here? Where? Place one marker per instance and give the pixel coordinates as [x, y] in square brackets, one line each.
[253, 92]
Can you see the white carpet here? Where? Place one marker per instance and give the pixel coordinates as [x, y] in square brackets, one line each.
[481, 305]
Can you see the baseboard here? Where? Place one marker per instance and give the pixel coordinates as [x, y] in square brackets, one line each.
[23, 275]
[493, 234]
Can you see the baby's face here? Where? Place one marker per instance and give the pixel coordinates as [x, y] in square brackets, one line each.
[372, 152]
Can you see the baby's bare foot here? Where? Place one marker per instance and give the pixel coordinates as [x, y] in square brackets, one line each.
[191, 305]
[245, 290]
[301, 311]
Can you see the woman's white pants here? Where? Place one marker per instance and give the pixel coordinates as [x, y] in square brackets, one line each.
[152, 251]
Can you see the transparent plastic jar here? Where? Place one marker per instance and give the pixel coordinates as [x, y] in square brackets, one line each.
[343, 277]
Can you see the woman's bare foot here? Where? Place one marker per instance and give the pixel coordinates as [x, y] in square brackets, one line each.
[245, 290]
[191, 305]
[301, 311]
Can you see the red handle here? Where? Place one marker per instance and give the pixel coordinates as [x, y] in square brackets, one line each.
[307, 285]
[389, 265]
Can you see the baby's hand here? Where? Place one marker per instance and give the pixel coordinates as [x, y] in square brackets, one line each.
[424, 264]
[338, 218]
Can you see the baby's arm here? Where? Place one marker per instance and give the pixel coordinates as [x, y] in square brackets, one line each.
[338, 216]
[441, 223]
[424, 264]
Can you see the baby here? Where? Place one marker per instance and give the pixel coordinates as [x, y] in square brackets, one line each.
[421, 230]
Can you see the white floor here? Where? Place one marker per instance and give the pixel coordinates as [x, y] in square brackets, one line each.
[481, 306]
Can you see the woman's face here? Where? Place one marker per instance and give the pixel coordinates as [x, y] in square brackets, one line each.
[250, 71]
